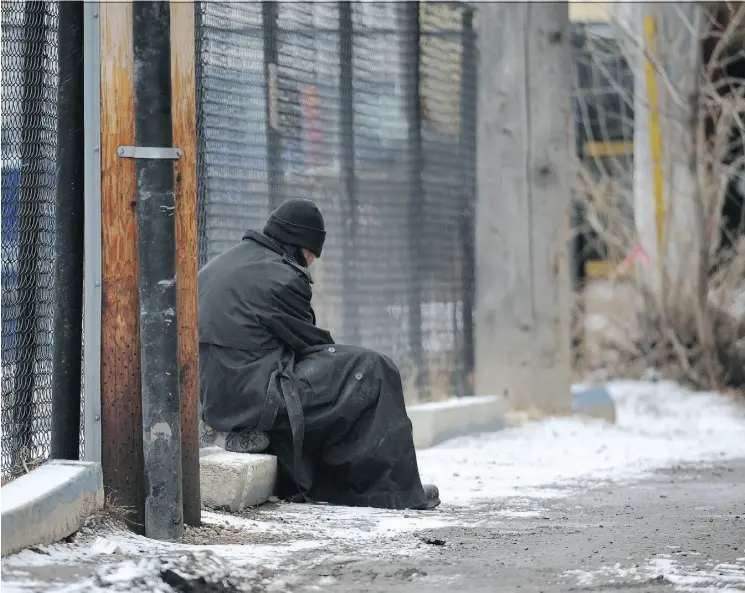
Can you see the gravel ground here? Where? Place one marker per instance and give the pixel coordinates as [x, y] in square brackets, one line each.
[683, 529]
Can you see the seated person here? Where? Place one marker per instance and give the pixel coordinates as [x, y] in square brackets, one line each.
[271, 380]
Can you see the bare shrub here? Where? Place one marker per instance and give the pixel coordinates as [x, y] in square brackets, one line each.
[687, 291]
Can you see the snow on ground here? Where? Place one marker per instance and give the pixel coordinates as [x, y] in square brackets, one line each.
[665, 570]
[658, 425]
[505, 474]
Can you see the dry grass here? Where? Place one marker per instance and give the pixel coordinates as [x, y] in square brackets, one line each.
[626, 335]
[112, 516]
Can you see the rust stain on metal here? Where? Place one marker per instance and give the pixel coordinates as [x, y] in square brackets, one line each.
[183, 92]
[121, 403]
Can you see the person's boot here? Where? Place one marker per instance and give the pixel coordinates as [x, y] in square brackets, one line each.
[433, 498]
[243, 441]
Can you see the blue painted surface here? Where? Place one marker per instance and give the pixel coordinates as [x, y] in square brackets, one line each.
[11, 179]
[591, 397]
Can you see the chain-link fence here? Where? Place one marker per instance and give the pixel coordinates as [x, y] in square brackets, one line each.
[447, 90]
[29, 139]
[369, 110]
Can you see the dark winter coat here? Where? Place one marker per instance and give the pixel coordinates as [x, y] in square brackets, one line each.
[335, 414]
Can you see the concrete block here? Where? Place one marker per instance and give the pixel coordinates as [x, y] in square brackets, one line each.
[436, 422]
[49, 503]
[594, 402]
[235, 481]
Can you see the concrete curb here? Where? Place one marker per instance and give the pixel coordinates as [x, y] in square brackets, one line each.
[235, 481]
[49, 503]
[436, 422]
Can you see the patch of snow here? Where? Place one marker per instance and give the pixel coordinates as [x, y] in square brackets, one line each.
[518, 514]
[131, 545]
[711, 577]
[146, 574]
[658, 425]
[24, 586]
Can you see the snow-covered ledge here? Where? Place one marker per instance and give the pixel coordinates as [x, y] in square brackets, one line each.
[49, 503]
[435, 422]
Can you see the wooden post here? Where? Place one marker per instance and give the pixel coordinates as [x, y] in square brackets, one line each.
[121, 403]
[185, 186]
[523, 206]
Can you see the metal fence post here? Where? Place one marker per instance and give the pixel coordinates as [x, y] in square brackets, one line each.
[68, 264]
[349, 179]
[275, 176]
[92, 233]
[28, 265]
[411, 60]
[467, 152]
[161, 407]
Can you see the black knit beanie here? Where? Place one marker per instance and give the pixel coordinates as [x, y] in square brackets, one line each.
[298, 223]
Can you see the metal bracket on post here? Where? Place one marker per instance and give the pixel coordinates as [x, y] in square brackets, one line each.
[149, 152]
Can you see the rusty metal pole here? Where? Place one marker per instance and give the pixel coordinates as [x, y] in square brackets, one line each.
[154, 156]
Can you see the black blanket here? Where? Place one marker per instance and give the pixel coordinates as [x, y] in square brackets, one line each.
[335, 414]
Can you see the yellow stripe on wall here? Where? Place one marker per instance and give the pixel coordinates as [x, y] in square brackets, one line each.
[606, 149]
[655, 137]
[599, 268]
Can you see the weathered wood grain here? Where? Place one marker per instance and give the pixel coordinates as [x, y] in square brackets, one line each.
[183, 91]
[522, 315]
[121, 404]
